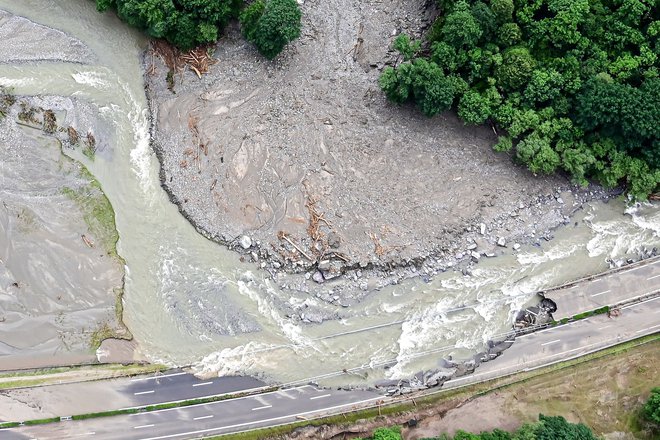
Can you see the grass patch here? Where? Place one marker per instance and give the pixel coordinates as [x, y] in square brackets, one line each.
[55, 375]
[103, 332]
[97, 212]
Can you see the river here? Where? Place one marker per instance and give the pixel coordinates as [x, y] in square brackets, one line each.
[189, 301]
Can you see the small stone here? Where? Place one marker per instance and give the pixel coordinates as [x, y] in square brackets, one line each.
[482, 228]
[318, 277]
[501, 242]
[358, 273]
[277, 265]
[490, 254]
[324, 265]
[254, 256]
[459, 256]
[516, 246]
[308, 275]
[475, 255]
[472, 247]
[245, 242]
[560, 200]
[333, 240]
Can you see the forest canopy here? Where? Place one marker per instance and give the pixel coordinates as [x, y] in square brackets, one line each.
[571, 85]
[190, 23]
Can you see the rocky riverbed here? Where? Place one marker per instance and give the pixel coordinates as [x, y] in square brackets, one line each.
[303, 167]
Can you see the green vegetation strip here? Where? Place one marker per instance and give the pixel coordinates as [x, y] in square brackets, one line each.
[23, 379]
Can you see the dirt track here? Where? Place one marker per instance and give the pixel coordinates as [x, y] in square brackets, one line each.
[305, 157]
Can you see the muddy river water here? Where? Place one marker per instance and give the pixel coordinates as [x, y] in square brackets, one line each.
[190, 301]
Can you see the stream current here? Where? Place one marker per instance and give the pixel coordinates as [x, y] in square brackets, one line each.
[189, 301]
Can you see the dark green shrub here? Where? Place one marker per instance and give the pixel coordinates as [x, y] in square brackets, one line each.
[184, 23]
[651, 410]
[271, 25]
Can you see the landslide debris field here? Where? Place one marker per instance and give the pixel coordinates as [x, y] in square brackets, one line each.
[302, 161]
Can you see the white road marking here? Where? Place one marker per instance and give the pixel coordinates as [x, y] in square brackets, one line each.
[203, 383]
[601, 293]
[604, 327]
[640, 303]
[143, 392]
[219, 402]
[574, 287]
[262, 407]
[284, 394]
[157, 377]
[203, 417]
[320, 397]
[143, 426]
[596, 280]
[551, 342]
[647, 328]
[291, 416]
[654, 276]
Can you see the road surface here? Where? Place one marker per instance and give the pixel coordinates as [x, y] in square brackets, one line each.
[608, 289]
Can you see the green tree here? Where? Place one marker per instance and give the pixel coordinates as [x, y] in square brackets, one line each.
[651, 408]
[557, 428]
[406, 47]
[516, 69]
[473, 108]
[461, 29]
[249, 19]
[278, 24]
[503, 9]
[393, 433]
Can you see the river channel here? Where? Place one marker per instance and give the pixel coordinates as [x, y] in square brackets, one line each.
[190, 301]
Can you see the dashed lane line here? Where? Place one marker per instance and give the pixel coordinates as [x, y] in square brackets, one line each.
[240, 425]
[203, 417]
[551, 342]
[262, 407]
[653, 277]
[144, 392]
[648, 328]
[320, 397]
[601, 293]
[202, 384]
[143, 426]
[157, 377]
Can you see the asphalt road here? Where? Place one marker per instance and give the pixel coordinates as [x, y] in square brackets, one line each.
[571, 340]
[608, 289]
[209, 419]
[177, 385]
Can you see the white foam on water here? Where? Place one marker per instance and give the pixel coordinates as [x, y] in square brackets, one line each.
[91, 78]
[232, 361]
[248, 287]
[17, 82]
[556, 252]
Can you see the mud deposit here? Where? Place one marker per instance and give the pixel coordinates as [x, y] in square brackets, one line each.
[301, 162]
[59, 274]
